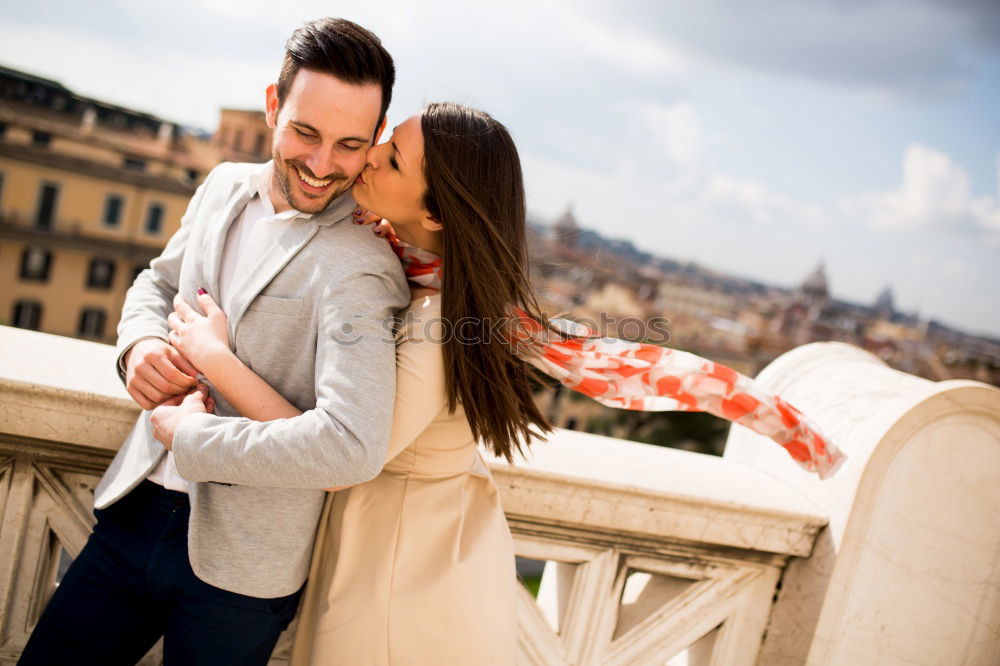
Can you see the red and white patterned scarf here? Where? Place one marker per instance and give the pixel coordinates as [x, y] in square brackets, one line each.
[648, 377]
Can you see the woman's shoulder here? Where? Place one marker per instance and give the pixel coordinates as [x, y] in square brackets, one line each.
[422, 321]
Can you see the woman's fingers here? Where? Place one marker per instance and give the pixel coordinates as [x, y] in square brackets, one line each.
[182, 309]
[362, 216]
[174, 322]
[383, 229]
[207, 303]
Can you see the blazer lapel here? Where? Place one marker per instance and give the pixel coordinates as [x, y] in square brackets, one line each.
[274, 259]
[279, 254]
[217, 242]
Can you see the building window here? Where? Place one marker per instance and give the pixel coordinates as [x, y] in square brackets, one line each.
[135, 273]
[238, 140]
[259, 146]
[35, 264]
[3, 130]
[100, 274]
[92, 322]
[1, 190]
[192, 175]
[134, 164]
[112, 210]
[154, 218]
[48, 197]
[41, 139]
[27, 314]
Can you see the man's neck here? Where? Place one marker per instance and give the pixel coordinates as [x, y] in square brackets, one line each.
[276, 196]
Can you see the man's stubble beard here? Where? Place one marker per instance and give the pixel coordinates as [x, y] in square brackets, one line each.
[284, 174]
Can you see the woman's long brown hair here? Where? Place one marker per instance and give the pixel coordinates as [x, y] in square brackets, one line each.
[476, 190]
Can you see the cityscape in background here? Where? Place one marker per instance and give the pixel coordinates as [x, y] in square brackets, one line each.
[90, 192]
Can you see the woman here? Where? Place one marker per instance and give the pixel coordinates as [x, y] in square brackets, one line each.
[416, 566]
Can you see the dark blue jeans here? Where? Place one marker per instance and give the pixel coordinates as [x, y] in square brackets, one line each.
[133, 583]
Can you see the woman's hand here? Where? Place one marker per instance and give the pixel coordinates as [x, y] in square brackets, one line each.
[202, 339]
[381, 227]
[169, 415]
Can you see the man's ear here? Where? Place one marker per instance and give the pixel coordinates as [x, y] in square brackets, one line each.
[431, 223]
[378, 131]
[271, 105]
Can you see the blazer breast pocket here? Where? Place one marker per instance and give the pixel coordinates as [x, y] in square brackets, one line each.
[276, 305]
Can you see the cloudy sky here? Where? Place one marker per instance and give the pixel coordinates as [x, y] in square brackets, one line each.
[757, 138]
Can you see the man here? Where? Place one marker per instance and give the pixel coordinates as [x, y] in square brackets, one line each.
[209, 545]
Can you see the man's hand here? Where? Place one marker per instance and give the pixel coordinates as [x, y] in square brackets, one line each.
[155, 372]
[168, 416]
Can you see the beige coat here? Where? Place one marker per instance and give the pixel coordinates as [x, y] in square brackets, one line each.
[417, 565]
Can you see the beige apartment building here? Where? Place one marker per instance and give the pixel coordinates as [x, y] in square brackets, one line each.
[91, 192]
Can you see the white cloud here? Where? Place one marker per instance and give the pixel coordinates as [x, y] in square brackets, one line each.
[886, 46]
[670, 182]
[678, 131]
[624, 47]
[190, 88]
[692, 183]
[755, 201]
[935, 192]
[618, 112]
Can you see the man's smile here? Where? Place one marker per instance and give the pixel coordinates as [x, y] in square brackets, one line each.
[311, 182]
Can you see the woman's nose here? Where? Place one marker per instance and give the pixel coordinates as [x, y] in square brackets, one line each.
[371, 159]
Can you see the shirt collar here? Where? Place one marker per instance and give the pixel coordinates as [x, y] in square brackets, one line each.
[259, 182]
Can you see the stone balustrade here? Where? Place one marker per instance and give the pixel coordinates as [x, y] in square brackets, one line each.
[651, 555]
[908, 569]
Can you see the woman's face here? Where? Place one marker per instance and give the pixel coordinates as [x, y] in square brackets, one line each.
[392, 183]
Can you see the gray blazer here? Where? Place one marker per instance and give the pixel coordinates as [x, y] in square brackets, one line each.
[314, 319]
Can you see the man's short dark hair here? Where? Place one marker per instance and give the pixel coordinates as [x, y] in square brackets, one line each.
[342, 48]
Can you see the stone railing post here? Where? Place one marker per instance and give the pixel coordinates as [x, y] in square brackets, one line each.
[908, 568]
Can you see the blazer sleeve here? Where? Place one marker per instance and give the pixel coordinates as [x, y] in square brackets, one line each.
[149, 300]
[343, 440]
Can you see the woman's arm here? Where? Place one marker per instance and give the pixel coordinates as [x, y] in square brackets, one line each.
[204, 341]
[242, 388]
[420, 377]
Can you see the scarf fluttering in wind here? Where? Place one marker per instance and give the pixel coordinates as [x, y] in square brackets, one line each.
[647, 377]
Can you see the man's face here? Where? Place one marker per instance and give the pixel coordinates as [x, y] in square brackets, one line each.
[322, 133]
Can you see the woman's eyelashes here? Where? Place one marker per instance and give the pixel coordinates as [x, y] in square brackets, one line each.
[393, 163]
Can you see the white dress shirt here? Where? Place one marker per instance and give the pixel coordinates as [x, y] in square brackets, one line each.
[250, 235]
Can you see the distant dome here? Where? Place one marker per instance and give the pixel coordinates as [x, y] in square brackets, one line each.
[816, 283]
[566, 222]
[566, 230]
[885, 303]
